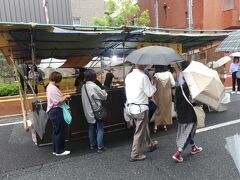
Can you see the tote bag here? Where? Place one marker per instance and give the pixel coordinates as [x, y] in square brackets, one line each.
[200, 114]
[66, 113]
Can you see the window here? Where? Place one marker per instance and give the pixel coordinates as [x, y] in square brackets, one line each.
[76, 21]
[228, 5]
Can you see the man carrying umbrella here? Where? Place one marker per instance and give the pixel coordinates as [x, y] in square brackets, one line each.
[138, 90]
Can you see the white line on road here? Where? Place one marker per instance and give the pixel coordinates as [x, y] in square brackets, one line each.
[198, 130]
[13, 123]
[218, 126]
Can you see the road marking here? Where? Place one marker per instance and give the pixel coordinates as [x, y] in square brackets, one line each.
[218, 126]
[13, 123]
[198, 130]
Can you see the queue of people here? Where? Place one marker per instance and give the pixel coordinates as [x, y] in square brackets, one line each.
[139, 89]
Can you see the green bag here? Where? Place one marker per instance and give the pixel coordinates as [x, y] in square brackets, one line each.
[66, 113]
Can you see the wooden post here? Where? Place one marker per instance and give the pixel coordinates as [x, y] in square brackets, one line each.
[23, 98]
[101, 70]
[124, 66]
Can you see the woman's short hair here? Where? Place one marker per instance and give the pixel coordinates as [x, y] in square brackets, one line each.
[185, 64]
[90, 75]
[161, 68]
[55, 77]
[236, 59]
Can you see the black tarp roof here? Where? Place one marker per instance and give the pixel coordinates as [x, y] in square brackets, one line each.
[86, 43]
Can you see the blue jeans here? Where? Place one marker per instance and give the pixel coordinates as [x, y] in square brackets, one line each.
[58, 129]
[189, 141]
[94, 129]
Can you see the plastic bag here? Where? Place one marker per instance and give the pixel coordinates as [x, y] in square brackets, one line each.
[226, 99]
[66, 113]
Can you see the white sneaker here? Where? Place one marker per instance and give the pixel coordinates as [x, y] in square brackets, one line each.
[233, 92]
[238, 92]
[65, 153]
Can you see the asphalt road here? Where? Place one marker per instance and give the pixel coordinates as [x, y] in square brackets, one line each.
[21, 159]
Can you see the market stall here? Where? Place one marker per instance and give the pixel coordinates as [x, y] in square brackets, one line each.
[30, 43]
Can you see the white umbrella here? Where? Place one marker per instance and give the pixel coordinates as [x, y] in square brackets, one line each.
[212, 64]
[236, 54]
[66, 72]
[204, 84]
[223, 61]
[51, 63]
[219, 62]
[232, 146]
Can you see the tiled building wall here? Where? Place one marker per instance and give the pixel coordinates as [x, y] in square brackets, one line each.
[85, 10]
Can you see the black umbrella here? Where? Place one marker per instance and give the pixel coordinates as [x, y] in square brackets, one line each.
[154, 55]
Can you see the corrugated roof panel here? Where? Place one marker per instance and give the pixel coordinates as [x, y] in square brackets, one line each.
[63, 43]
[33, 11]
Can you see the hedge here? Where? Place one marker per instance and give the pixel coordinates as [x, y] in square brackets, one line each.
[9, 89]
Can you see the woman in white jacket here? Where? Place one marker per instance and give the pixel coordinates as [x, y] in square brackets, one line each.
[234, 68]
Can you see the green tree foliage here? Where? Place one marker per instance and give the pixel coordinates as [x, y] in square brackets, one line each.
[123, 12]
[8, 89]
[5, 69]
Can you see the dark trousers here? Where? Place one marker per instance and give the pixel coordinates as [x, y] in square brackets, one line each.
[152, 108]
[58, 129]
[234, 81]
[189, 141]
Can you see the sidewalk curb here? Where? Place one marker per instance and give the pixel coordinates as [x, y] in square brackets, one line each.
[10, 116]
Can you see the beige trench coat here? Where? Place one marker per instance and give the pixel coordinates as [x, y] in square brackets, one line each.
[163, 99]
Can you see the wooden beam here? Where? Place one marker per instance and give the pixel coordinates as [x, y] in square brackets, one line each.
[23, 96]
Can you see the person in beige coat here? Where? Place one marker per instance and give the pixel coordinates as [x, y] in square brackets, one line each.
[164, 81]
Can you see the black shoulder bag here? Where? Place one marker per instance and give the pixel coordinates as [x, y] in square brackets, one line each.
[99, 114]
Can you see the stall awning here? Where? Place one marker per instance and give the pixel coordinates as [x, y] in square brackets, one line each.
[83, 43]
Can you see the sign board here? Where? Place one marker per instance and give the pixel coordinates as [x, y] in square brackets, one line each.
[177, 47]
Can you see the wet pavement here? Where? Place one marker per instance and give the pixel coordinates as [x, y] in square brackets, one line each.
[21, 159]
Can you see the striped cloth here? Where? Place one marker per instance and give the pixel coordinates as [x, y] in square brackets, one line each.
[184, 131]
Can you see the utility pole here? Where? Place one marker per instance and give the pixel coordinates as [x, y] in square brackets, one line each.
[156, 14]
[190, 15]
[45, 3]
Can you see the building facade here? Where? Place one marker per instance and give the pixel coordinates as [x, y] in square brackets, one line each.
[58, 11]
[207, 14]
[83, 11]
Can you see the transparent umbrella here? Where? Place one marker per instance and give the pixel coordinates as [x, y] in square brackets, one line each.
[233, 147]
[236, 54]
